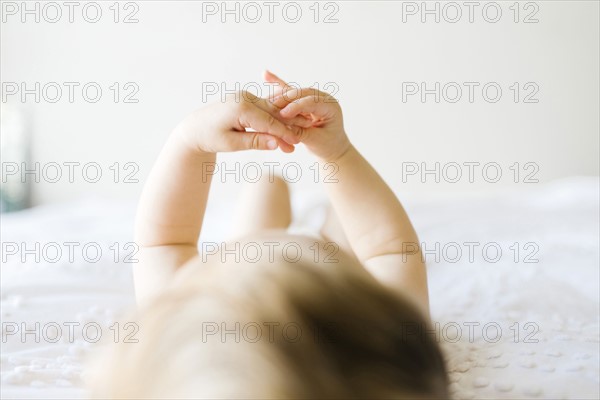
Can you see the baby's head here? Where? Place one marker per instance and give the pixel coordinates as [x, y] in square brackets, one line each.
[277, 329]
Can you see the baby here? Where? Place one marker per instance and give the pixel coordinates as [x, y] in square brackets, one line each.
[353, 325]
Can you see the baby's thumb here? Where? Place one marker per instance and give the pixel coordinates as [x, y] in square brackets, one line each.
[255, 141]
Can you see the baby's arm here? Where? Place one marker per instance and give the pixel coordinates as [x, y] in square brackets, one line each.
[170, 214]
[375, 223]
[377, 227]
[173, 201]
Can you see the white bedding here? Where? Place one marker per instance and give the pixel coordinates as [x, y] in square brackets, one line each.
[558, 294]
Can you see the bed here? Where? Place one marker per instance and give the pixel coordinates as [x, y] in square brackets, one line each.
[519, 323]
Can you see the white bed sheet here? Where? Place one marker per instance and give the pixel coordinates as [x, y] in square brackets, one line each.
[559, 294]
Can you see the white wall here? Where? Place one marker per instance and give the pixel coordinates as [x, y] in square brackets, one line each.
[367, 55]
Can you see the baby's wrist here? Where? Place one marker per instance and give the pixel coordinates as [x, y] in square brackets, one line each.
[188, 140]
[338, 155]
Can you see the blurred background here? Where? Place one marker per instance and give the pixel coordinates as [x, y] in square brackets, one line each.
[467, 91]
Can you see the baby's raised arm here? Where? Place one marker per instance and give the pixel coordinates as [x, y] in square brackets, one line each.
[172, 205]
[377, 227]
[375, 223]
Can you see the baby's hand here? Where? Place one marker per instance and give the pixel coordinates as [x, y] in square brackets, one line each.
[317, 115]
[221, 127]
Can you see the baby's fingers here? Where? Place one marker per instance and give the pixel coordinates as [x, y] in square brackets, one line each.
[292, 95]
[257, 141]
[284, 146]
[252, 141]
[310, 105]
[268, 107]
[281, 85]
[259, 120]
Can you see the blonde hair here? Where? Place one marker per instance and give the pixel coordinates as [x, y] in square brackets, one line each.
[275, 330]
